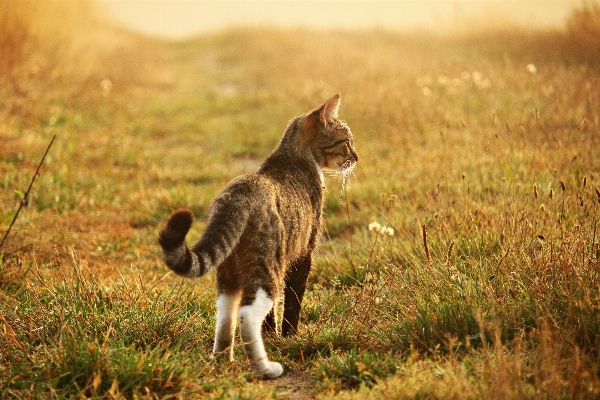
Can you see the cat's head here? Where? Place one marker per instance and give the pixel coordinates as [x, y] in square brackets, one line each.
[329, 138]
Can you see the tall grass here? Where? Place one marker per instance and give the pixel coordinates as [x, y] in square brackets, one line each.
[583, 31]
[480, 156]
[78, 336]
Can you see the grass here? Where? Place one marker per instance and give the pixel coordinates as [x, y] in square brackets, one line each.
[486, 169]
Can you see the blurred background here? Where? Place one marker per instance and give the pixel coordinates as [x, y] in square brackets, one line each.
[178, 19]
[74, 38]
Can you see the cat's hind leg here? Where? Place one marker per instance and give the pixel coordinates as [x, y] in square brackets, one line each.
[250, 318]
[227, 308]
[272, 322]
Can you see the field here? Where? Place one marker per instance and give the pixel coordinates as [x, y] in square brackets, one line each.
[480, 151]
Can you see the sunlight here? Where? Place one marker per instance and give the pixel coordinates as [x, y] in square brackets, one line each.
[178, 19]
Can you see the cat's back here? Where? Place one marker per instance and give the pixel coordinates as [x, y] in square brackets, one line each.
[281, 199]
[279, 189]
[278, 179]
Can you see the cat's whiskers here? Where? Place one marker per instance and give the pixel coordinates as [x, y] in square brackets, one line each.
[346, 169]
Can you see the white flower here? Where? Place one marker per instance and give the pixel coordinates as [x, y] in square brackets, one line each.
[374, 226]
[531, 69]
[106, 87]
[384, 230]
[444, 80]
[483, 83]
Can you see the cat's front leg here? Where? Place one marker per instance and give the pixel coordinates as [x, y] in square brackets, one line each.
[295, 285]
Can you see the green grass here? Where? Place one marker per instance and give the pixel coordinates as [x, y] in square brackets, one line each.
[500, 165]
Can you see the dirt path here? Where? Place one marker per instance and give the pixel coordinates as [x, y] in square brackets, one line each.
[295, 385]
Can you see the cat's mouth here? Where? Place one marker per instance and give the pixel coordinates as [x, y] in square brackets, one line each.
[348, 167]
[335, 168]
[344, 171]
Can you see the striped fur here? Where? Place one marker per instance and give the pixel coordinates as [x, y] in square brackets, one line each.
[262, 231]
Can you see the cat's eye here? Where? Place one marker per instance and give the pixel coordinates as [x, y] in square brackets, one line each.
[336, 144]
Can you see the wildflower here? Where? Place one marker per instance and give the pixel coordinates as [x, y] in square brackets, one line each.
[384, 230]
[374, 226]
[444, 80]
[106, 87]
[483, 83]
[531, 69]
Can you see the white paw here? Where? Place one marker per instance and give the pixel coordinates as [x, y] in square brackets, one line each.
[273, 371]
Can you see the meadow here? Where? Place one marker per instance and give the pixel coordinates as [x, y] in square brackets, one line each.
[461, 260]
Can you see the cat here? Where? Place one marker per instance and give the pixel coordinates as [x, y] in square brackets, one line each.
[262, 231]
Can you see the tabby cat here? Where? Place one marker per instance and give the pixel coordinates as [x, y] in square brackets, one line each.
[262, 231]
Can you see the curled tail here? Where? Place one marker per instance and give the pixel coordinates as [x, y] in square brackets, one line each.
[176, 254]
[217, 243]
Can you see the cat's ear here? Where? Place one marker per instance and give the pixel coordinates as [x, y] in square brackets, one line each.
[321, 115]
[329, 110]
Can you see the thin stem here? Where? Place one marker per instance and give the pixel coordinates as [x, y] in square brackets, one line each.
[26, 195]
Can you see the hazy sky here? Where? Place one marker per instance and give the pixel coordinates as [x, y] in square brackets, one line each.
[181, 18]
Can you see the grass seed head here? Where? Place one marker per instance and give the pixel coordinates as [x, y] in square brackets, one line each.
[426, 244]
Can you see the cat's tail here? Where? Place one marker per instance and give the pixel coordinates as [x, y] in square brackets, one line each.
[176, 254]
[212, 249]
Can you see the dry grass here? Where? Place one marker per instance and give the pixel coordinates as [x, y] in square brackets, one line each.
[583, 30]
[481, 153]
